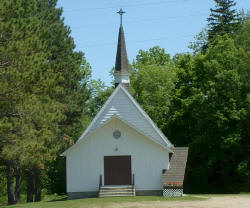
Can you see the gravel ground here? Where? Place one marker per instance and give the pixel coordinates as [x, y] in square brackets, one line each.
[239, 201]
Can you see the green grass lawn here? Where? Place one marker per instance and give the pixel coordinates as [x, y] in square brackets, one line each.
[52, 201]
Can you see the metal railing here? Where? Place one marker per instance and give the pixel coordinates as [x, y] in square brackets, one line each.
[100, 181]
[133, 180]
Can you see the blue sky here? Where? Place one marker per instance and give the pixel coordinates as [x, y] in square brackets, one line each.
[170, 24]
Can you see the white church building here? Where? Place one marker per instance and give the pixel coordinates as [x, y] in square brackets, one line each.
[123, 152]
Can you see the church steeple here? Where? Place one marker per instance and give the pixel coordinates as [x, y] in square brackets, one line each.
[121, 65]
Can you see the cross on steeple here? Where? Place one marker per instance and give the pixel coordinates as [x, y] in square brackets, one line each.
[121, 12]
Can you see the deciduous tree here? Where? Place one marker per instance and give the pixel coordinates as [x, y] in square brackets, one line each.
[153, 82]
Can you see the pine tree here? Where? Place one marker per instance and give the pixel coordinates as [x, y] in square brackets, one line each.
[75, 72]
[71, 65]
[43, 87]
[223, 19]
[22, 62]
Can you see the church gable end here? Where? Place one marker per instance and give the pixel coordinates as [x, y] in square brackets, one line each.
[123, 106]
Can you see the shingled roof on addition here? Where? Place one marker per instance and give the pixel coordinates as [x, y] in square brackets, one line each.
[176, 172]
[121, 64]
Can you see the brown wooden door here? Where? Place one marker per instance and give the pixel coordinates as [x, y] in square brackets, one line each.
[117, 170]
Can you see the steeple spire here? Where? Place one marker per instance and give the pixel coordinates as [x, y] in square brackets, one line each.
[121, 65]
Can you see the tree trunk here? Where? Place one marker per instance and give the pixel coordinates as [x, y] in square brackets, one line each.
[30, 188]
[10, 183]
[19, 173]
[38, 184]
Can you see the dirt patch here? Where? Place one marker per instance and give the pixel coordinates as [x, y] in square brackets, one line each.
[213, 202]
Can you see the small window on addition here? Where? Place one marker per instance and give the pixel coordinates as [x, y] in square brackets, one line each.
[170, 156]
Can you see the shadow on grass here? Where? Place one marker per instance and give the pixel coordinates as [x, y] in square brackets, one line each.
[61, 199]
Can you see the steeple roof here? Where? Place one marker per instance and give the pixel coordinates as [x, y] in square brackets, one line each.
[121, 64]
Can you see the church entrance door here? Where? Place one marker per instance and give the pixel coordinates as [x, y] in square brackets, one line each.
[117, 170]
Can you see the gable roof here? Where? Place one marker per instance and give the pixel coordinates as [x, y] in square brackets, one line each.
[176, 172]
[123, 106]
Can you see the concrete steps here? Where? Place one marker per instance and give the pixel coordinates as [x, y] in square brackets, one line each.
[112, 191]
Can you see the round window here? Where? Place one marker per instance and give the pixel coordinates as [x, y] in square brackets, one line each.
[116, 134]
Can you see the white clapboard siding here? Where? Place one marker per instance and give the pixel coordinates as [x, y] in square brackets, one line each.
[86, 162]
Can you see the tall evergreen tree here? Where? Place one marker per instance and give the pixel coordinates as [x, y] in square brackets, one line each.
[69, 64]
[224, 19]
[75, 72]
[22, 87]
[43, 87]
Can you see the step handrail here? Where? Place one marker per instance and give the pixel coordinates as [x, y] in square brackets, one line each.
[133, 179]
[100, 181]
